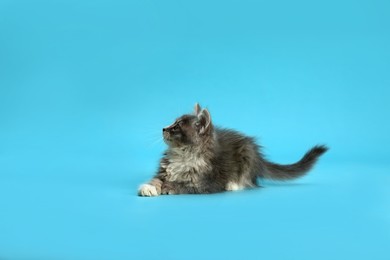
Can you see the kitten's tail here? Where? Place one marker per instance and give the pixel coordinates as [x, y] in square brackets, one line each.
[295, 170]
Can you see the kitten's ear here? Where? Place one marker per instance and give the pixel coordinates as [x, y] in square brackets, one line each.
[204, 121]
[197, 109]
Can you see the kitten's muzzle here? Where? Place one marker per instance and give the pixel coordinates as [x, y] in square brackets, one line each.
[165, 133]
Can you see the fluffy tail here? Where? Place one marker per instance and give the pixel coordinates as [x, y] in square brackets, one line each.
[292, 171]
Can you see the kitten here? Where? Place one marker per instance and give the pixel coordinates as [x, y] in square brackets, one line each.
[202, 158]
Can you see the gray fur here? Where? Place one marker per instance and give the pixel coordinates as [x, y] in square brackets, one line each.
[202, 158]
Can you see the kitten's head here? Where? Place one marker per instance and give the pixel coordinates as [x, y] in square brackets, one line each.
[189, 130]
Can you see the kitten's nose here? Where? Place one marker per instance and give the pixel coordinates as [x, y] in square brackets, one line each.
[164, 129]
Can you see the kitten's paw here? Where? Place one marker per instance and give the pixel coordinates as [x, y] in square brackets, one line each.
[168, 192]
[147, 190]
[232, 186]
[167, 189]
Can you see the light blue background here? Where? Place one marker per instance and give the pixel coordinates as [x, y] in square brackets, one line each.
[86, 87]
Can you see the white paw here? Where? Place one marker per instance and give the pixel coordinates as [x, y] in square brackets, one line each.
[147, 190]
[231, 186]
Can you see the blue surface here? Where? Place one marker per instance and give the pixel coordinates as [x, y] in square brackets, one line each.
[86, 86]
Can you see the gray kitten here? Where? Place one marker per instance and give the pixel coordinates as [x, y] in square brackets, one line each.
[202, 158]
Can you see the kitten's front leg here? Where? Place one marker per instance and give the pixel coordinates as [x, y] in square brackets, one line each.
[153, 188]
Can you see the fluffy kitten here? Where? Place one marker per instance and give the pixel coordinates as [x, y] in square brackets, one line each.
[202, 158]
